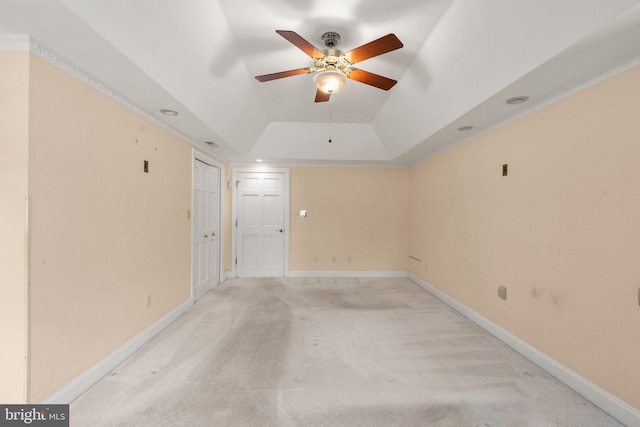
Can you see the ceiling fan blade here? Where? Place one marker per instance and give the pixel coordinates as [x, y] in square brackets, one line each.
[301, 43]
[375, 80]
[283, 74]
[322, 96]
[377, 47]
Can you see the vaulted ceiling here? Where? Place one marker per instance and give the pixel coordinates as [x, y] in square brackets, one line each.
[461, 60]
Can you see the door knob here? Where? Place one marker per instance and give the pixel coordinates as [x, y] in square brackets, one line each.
[206, 235]
[280, 230]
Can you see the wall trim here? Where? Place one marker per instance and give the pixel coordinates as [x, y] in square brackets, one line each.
[367, 274]
[14, 43]
[88, 378]
[71, 69]
[591, 78]
[289, 163]
[614, 406]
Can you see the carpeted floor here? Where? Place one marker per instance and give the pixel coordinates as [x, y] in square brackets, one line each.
[328, 352]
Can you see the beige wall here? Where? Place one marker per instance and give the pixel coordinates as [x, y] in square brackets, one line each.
[14, 149]
[561, 231]
[104, 234]
[356, 215]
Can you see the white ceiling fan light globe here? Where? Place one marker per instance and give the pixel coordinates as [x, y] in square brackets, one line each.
[330, 81]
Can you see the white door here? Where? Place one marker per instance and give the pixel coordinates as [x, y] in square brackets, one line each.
[261, 219]
[206, 227]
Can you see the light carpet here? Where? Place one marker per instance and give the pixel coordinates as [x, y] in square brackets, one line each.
[328, 352]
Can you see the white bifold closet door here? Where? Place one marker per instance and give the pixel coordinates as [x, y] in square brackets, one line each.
[206, 227]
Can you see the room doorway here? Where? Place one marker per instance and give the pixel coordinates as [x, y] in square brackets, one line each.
[261, 206]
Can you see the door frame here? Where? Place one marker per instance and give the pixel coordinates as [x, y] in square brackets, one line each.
[234, 213]
[197, 155]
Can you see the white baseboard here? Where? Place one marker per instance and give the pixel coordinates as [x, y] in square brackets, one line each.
[84, 381]
[367, 274]
[617, 408]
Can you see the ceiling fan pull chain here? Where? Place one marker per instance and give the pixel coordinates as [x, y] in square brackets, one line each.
[330, 141]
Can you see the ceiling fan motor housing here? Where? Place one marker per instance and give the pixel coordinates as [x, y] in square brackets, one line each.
[331, 39]
[333, 60]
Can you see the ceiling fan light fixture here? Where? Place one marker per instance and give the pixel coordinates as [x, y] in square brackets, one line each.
[330, 81]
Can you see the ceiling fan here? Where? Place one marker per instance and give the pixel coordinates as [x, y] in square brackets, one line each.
[334, 67]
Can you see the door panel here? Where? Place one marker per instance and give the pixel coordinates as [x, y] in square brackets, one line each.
[272, 184]
[271, 210]
[251, 209]
[260, 231]
[270, 251]
[250, 253]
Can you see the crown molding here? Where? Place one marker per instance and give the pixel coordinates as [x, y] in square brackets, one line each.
[14, 43]
[592, 78]
[52, 58]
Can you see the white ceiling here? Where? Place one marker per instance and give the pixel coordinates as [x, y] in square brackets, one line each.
[461, 60]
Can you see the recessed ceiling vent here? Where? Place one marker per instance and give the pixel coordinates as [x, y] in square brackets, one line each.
[517, 100]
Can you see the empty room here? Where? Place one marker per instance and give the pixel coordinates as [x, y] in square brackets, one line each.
[305, 213]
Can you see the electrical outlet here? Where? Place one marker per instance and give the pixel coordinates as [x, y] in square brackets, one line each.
[146, 166]
[148, 299]
[502, 292]
[505, 169]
